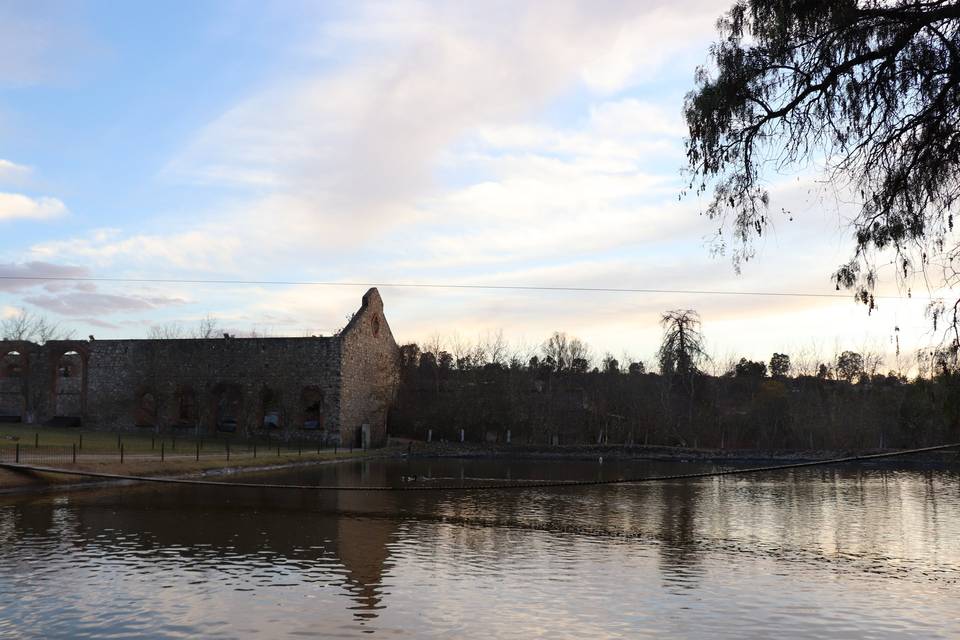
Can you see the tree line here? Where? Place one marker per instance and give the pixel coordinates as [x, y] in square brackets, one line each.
[558, 392]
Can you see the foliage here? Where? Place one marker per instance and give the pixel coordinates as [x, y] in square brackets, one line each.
[779, 365]
[871, 87]
[850, 366]
[750, 369]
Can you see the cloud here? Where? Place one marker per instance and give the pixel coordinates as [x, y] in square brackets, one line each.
[40, 42]
[361, 142]
[11, 172]
[15, 206]
[16, 276]
[80, 303]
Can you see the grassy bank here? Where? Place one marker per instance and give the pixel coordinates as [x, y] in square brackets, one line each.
[145, 455]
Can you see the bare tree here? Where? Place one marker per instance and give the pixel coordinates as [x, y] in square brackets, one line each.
[209, 327]
[579, 353]
[25, 325]
[495, 347]
[556, 350]
[19, 326]
[166, 331]
[682, 350]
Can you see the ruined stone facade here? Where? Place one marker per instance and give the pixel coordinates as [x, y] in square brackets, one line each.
[338, 389]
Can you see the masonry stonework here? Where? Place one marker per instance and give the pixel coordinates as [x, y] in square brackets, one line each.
[338, 389]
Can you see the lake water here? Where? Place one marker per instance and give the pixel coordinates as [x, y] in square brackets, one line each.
[852, 552]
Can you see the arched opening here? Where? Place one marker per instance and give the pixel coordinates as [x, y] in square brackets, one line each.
[187, 407]
[146, 411]
[11, 366]
[270, 409]
[228, 407]
[12, 403]
[68, 389]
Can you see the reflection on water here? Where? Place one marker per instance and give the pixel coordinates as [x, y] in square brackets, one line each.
[813, 553]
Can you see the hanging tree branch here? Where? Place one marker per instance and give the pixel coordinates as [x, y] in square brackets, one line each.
[870, 87]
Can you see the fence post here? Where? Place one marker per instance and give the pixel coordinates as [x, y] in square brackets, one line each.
[254, 448]
[119, 442]
[121, 453]
[36, 441]
[278, 451]
[74, 453]
[300, 448]
[198, 451]
[162, 442]
[17, 460]
[81, 442]
[228, 451]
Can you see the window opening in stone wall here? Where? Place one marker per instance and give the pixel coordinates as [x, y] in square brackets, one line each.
[69, 365]
[11, 387]
[271, 410]
[187, 407]
[68, 387]
[375, 325]
[10, 365]
[146, 414]
[312, 406]
[228, 407]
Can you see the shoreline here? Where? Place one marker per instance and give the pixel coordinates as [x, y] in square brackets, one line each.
[17, 482]
[13, 483]
[658, 453]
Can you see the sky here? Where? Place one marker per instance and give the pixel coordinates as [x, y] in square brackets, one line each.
[496, 143]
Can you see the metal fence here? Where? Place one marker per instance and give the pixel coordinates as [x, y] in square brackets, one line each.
[34, 451]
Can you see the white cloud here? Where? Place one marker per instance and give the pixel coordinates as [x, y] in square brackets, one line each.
[13, 172]
[14, 206]
[360, 139]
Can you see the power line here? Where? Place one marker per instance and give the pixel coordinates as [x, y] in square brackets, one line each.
[433, 285]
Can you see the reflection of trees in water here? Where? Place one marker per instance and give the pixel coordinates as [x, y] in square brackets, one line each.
[680, 557]
[266, 532]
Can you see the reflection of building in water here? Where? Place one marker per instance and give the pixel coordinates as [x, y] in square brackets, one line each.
[362, 546]
[299, 533]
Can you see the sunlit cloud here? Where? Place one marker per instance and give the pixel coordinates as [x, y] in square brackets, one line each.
[16, 206]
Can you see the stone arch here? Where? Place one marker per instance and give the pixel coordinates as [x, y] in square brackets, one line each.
[188, 409]
[69, 384]
[311, 408]
[12, 364]
[227, 407]
[271, 411]
[146, 410]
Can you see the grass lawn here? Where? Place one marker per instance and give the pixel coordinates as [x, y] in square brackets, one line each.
[148, 454]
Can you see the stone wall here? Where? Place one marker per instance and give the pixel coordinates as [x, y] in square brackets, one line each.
[370, 373]
[295, 387]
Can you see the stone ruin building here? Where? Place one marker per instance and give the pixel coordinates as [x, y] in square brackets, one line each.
[337, 389]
